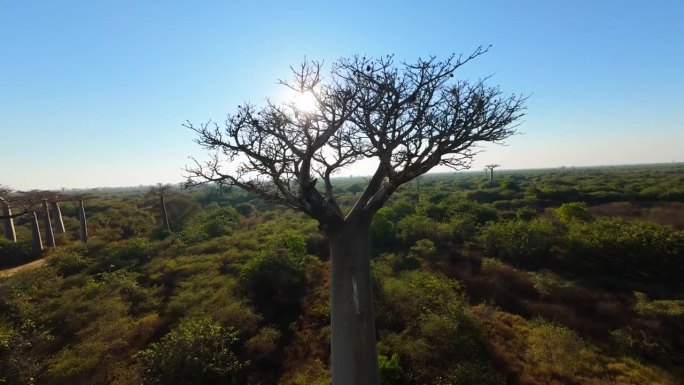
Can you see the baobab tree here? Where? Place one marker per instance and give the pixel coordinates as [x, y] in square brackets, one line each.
[490, 168]
[7, 216]
[34, 202]
[81, 215]
[408, 117]
[161, 191]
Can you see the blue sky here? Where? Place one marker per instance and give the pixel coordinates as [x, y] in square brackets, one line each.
[94, 93]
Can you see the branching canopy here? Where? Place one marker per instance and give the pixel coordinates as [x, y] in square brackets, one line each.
[409, 117]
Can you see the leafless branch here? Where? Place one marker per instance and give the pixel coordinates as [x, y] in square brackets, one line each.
[410, 117]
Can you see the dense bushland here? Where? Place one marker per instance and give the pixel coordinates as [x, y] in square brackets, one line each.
[531, 279]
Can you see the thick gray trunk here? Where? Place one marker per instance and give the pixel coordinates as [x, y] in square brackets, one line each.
[165, 216]
[10, 233]
[57, 216]
[354, 355]
[49, 235]
[491, 175]
[84, 222]
[37, 241]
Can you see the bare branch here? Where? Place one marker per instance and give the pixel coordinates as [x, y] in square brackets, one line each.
[410, 117]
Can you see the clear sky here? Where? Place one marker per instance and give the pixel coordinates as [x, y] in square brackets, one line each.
[94, 93]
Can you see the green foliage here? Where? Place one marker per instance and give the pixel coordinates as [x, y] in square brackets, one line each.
[391, 372]
[217, 296]
[356, 188]
[415, 227]
[428, 327]
[669, 308]
[612, 287]
[479, 212]
[124, 254]
[382, 230]
[197, 351]
[423, 248]
[213, 221]
[637, 248]
[275, 277]
[573, 211]
[554, 348]
[520, 241]
[69, 262]
[264, 342]
[14, 254]
[414, 292]
[245, 209]
[19, 362]
[525, 213]
[118, 219]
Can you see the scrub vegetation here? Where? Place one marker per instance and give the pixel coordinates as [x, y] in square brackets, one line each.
[565, 276]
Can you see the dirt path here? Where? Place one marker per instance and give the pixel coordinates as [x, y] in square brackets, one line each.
[30, 265]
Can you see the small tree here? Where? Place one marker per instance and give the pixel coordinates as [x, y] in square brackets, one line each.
[408, 117]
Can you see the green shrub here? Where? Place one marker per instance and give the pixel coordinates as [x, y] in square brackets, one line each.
[382, 231]
[525, 213]
[635, 248]
[424, 248]
[573, 211]
[554, 348]
[670, 308]
[15, 254]
[520, 241]
[197, 351]
[391, 372]
[69, 263]
[215, 221]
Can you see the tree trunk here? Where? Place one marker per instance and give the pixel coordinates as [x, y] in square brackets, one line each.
[354, 355]
[49, 235]
[84, 222]
[10, 233]
[165, 216]
[37, 241]
[57, 216]
[491, 175]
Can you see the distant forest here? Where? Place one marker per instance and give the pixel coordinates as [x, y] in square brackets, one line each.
[558, 276]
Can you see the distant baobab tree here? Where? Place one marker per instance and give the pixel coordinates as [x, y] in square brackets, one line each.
[81, 214]
[35, 202]
[161, 190]
[7, 217]
[491, 168]
[408, 117]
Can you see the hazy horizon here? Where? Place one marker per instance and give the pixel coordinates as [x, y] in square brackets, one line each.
[435, 171]
[95, 94]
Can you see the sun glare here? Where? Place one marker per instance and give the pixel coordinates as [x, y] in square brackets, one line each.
[305, 101]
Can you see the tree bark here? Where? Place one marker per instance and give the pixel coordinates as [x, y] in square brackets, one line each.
[10, 233]
[49, 235]
[57, 216]
[37, 241]
[84, 222]
[354, 355]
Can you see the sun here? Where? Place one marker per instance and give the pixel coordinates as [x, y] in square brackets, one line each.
[304, 101]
